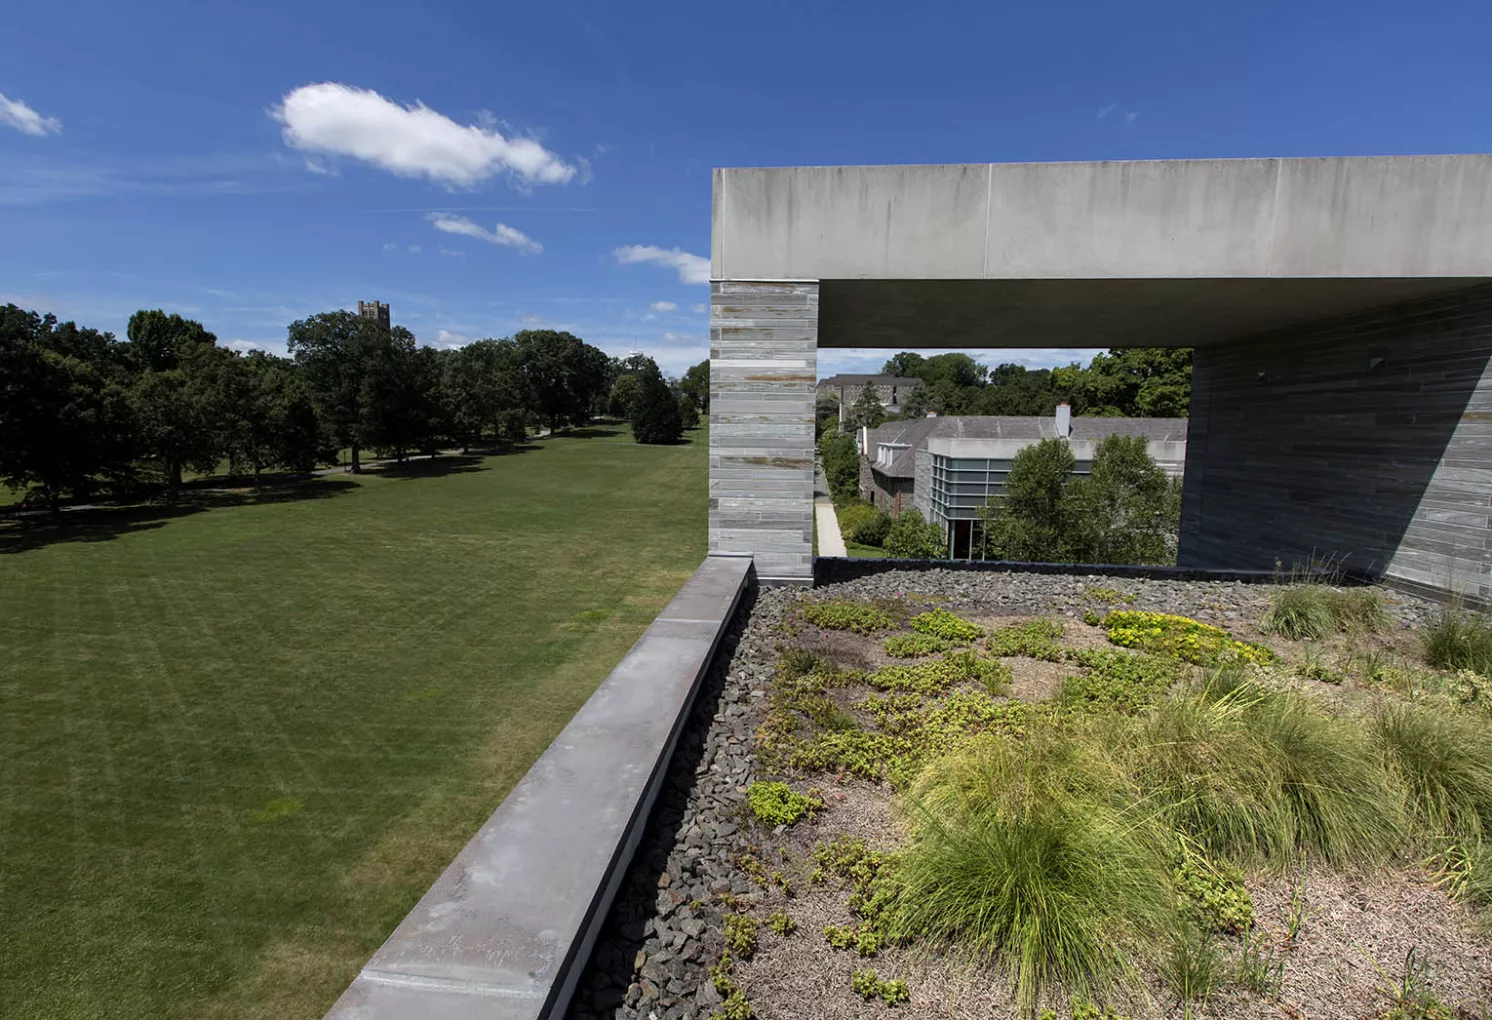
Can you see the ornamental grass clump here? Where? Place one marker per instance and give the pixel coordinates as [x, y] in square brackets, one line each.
[940, 623]
[1026, 853]
[1444, 761]
[859, 617]
[1459, 640]
[1299, 612]
[1181, 637]
[1263, 777]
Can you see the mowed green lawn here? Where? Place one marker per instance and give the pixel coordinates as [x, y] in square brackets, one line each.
[236, 745]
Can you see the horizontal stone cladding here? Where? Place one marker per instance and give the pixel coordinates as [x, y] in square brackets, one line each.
[763, 368]
[1365, 440]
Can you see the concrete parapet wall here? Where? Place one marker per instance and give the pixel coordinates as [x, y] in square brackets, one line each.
[504, 933]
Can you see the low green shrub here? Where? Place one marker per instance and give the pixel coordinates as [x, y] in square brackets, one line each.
[1210, 894]
[940, 623]
[735, 1007]
[852, 513]
[740, 934]
[913, 646]
[938, 675]
[860, 617]
[873, 530]
[1181, 637]
[1444, 760]
[1459, 640]
[1107, 595]
[913, 538]
[869, 986]
[781, 924]
[1034, 640]
[777, 804]
[1119, 681]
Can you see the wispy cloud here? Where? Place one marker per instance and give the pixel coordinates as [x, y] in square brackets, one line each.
[445, 338]
[453, 253]
[415, 249]
[1130, 115]
[663, 306]
[412, 140]
[1106, 109]
[529, 318]
[15, 113]
[502, 234]
[700, 309]
[691, 268]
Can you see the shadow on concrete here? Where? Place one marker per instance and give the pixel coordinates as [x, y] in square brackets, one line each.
[602, 989]
[102, 522]
[1340, 442]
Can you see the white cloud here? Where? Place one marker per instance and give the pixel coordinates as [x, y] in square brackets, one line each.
[16, 114]
[700, 309]
[1130, 115]
[681, 338]
[453, 253]
[663, 306]
[316, 166]
[415, 249]
[1106, 109]
[411, 141]
[691, 268]
[529, 318]
[502, 234]
[445, 338]
[244, 346]
[390, 246]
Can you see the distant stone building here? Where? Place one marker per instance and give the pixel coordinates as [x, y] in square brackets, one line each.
[891, 389]
[374, 310]
[949, 467]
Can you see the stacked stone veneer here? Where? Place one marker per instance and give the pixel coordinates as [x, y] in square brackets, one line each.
[1367, 439]
[763, 368]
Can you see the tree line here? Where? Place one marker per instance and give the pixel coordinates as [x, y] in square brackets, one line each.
[82, 412]
[1125, 382]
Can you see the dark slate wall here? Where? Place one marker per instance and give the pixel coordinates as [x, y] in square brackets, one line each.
[1367, 439]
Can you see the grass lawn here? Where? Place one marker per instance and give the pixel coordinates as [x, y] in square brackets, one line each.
[237, 744]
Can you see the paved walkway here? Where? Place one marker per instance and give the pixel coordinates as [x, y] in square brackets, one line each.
[831, 542]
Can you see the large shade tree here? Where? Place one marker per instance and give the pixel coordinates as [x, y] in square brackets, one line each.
[562, 375]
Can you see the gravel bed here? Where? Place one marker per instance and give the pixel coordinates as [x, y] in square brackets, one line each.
[665, 928]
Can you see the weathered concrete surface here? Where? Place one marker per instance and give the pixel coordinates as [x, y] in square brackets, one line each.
[763, 368]
[1376, 216]
[505, 931]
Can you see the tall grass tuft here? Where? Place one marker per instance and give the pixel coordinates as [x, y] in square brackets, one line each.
[1358, 610]
[1299, 612]
[1459, 640]
[1261, 776]
[1342, 803]
[1444, 760]
[1018, 860]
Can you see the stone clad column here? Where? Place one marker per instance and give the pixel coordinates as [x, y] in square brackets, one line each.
[763, 366]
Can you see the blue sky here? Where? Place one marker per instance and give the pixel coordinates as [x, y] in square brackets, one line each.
[486, 166]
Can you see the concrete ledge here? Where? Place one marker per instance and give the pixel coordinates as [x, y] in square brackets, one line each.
[505, 932]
